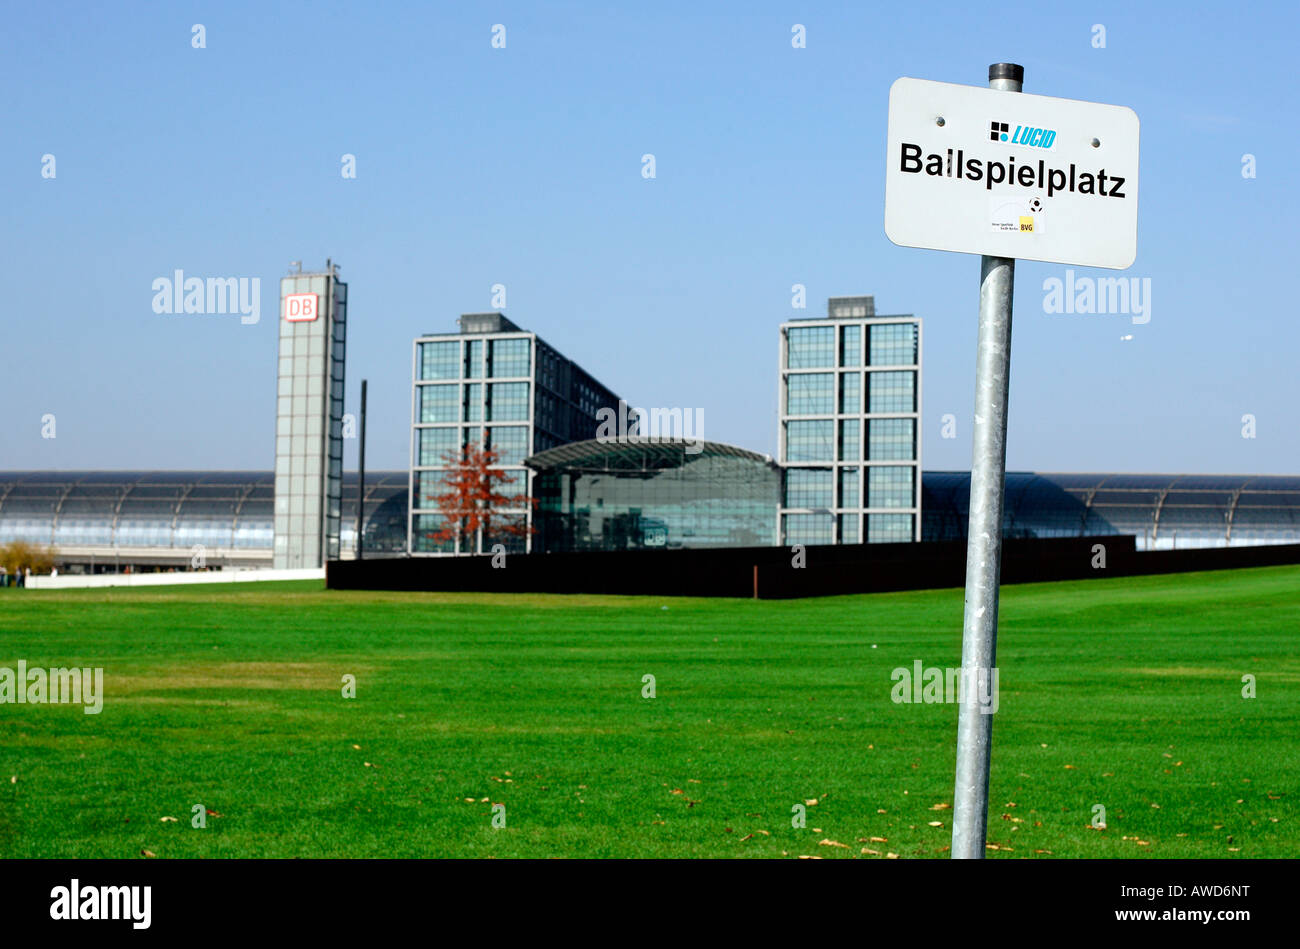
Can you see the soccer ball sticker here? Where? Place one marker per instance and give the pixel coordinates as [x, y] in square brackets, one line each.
[1035, 206]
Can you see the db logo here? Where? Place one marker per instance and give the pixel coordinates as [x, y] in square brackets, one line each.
[301, 307]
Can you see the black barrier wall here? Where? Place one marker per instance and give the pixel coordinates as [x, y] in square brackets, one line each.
[770, 572]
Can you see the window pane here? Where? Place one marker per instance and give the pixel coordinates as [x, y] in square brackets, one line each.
[891, 439]
[889, 528]
[510, 442]
[848, 487]
[889, 486]
[508, 357]
[851, 346]
[810, 441]
[893, 344]
[849, 436]
[848, 528]
[435, 442]
[474, 359]
[810, 394]
[474, 402]
[892, 392]
[851, 393]
[810, 347]
[507, 401]
[440, 360]
[439, 403]
[426, 526]
[428, 486]
[808, 487]
[806, 528]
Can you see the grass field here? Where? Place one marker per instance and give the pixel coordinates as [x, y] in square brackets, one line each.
[1124, 693]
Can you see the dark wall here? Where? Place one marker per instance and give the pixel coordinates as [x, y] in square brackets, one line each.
[767, 572]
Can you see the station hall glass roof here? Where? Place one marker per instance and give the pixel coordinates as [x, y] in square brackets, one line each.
[1160, 510]
[234, 509]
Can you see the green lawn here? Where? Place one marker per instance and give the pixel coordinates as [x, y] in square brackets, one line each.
[1124, 693]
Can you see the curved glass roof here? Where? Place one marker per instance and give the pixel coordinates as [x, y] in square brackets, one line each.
[597, 455]
[235, 509]
[1160, 510]
[219, 509]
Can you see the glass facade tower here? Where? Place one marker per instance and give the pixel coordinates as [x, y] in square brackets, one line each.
[498, 386]
[309, 419]
[849, 435]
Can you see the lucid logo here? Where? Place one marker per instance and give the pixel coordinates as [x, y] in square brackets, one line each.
[1023, 135]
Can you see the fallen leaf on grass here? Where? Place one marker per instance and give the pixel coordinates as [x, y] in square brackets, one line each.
[833, 843]
[166, 819]
[147, 853]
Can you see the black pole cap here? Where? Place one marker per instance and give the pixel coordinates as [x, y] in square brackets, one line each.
[1007, 71]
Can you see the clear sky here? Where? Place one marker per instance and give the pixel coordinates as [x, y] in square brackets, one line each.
[522, 166]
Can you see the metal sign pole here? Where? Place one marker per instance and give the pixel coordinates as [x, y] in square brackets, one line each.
[984, 536]
[361, 479]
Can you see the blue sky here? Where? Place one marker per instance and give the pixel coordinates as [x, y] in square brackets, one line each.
[521, 166]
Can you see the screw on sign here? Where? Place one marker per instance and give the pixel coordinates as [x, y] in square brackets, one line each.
[1004, 175]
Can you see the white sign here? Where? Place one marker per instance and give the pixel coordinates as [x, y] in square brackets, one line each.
[301, 307]
[983, 171]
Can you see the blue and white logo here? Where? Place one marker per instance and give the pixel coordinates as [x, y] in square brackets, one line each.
[1024, 135]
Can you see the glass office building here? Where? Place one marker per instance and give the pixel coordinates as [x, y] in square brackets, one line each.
[498, 386]
[849, 436]
[628, 495]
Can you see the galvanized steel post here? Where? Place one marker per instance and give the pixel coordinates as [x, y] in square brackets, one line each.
[984, 537]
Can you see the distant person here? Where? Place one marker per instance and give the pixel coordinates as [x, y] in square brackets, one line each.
[54, 571]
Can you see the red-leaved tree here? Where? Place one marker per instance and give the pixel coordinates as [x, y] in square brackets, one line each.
[472, 500]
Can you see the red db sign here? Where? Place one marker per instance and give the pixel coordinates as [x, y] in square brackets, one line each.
[301, 307]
